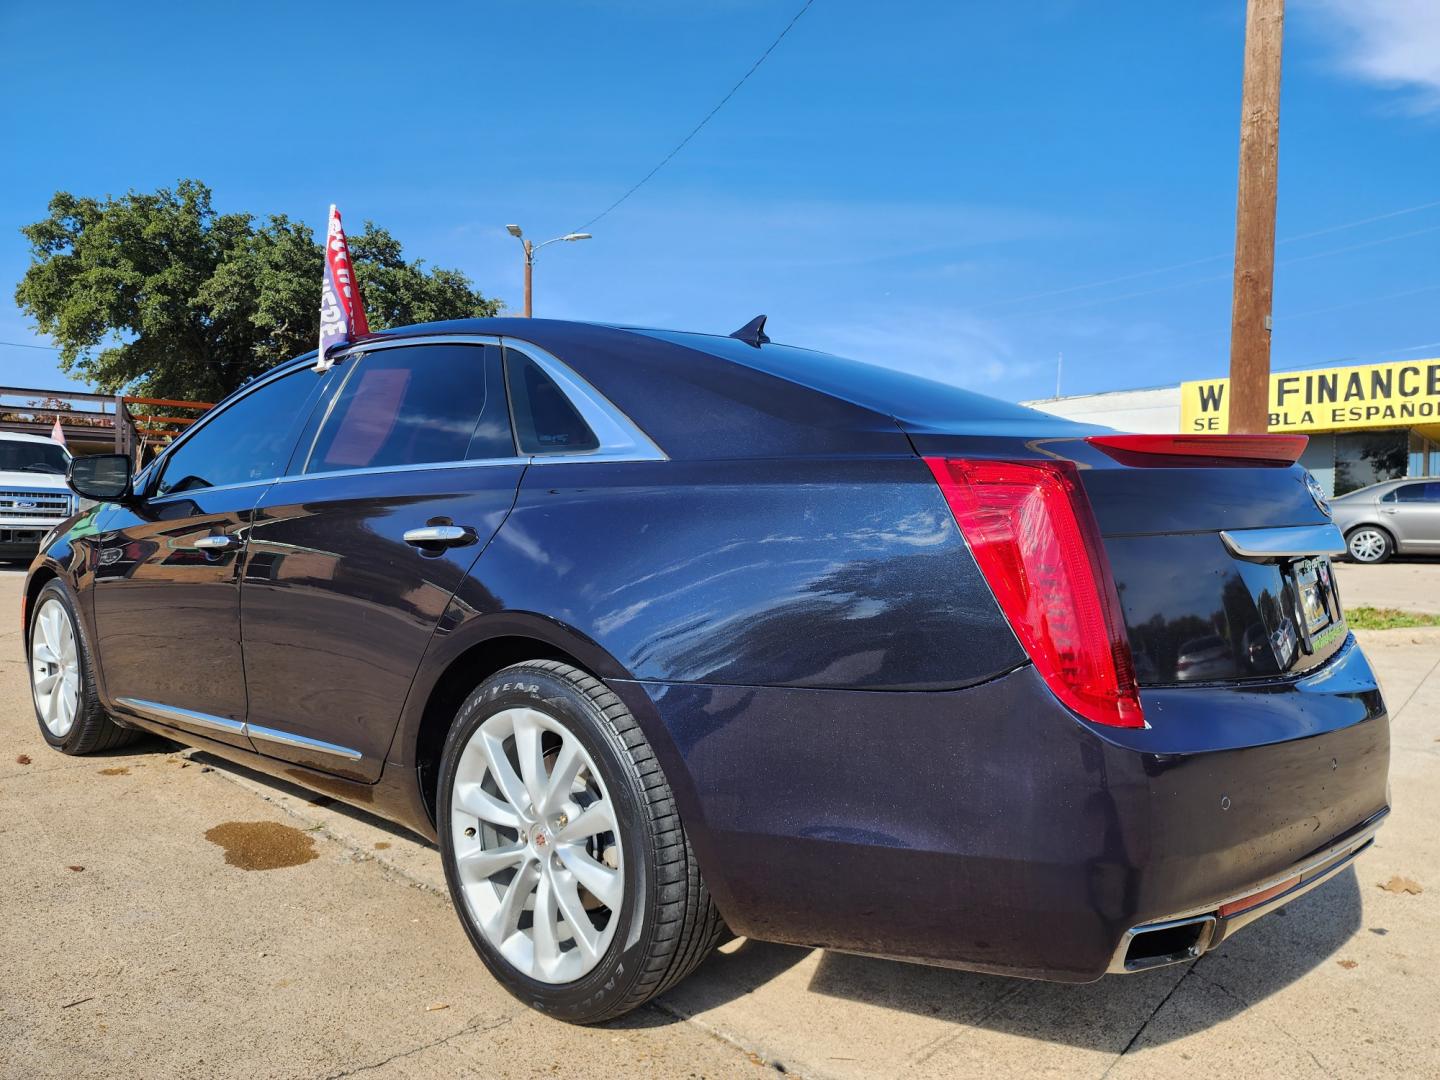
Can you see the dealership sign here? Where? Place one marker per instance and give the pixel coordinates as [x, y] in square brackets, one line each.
[1400, 394]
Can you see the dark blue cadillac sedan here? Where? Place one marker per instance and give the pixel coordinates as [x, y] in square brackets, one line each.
[662, 634]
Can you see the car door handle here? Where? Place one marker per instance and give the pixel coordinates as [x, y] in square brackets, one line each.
[215, 543]
[440, 536]
[1388, 510]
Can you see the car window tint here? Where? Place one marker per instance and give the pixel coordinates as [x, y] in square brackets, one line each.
[245, 441]
[415, 405]
[1411, 493]
[545, 420]
[26, 456]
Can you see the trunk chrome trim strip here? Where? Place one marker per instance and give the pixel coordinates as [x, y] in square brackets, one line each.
[1285, 542]
[172, 715]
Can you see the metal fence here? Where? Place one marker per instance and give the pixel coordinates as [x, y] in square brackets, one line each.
[94, 423]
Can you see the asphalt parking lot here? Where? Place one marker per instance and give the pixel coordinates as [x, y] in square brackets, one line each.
[166, 914]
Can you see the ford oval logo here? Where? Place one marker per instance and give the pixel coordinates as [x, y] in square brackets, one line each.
[21, 504]
[1318, 494]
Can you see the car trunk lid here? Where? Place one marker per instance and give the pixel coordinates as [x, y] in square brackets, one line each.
[1220, 560]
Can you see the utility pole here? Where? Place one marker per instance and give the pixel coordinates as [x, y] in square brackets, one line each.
[1255, 218]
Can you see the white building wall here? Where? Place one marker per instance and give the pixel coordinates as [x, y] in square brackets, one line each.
[1154, 411]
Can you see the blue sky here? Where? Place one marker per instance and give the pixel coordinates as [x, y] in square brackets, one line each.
[936, 186]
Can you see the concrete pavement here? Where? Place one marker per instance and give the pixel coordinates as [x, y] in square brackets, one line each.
[162, 958]
[1407, 584]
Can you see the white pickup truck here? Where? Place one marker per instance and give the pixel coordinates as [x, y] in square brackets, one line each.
[33, 495]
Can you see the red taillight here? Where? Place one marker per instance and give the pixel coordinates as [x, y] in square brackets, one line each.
[1031, 530]
[1142, 450]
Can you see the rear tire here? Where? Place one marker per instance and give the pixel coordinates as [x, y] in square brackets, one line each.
[62, 679]
[1369, 544]
[518, 841]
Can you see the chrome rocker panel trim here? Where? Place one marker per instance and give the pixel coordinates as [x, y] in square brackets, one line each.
[171, 716]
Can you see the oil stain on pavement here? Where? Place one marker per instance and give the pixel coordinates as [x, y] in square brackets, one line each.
[262, 845]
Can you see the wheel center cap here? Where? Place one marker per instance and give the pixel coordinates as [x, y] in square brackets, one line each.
[540, 837]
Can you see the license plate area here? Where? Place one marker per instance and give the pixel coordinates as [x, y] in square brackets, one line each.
[1315, 602]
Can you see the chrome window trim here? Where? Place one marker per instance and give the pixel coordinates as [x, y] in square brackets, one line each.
[171, 714]
[174, 496]
[1285, 542]
[375, 470]
[620, 437]
[285, 738]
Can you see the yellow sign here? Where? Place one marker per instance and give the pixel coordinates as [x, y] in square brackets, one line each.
[1401, 394]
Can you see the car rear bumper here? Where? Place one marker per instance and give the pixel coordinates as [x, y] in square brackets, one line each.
[988, 828]
[1213, 923]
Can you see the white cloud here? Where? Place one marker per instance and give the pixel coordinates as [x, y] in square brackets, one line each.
[1395, 43]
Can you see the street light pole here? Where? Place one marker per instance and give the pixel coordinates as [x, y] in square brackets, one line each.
[529, 278]
[530, 250]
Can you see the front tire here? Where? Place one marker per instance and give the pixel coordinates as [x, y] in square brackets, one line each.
[1369, 544]
[62, 680]
[563, 849]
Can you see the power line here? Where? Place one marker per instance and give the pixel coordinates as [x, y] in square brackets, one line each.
[708, 116]
[1207, 259]
[1226, 276]
[27, 345]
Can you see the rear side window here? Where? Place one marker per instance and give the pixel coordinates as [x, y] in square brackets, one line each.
[1415, 493]
[417, 405]
[545, 420]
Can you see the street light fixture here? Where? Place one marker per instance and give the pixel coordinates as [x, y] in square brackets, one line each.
[530, 250]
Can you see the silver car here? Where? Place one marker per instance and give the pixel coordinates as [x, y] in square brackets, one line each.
[1393, 517]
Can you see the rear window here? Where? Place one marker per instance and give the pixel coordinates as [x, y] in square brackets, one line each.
[898, 393]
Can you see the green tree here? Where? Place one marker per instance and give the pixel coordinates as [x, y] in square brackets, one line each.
[160, 295]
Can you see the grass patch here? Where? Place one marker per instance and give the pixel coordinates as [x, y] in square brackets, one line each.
[1385, 618]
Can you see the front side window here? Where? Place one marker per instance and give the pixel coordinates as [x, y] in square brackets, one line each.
[416, 405]
[545, 420]
[247, 441]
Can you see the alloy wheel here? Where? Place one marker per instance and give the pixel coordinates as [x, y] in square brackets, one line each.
[1367, 545]
[55, 667]
[538, 852]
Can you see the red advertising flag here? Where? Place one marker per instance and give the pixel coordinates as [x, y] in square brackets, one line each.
[342, 312]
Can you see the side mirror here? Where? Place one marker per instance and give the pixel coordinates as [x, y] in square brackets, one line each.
[102, 477]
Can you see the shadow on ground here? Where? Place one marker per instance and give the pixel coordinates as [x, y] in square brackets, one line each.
[1259, 961]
